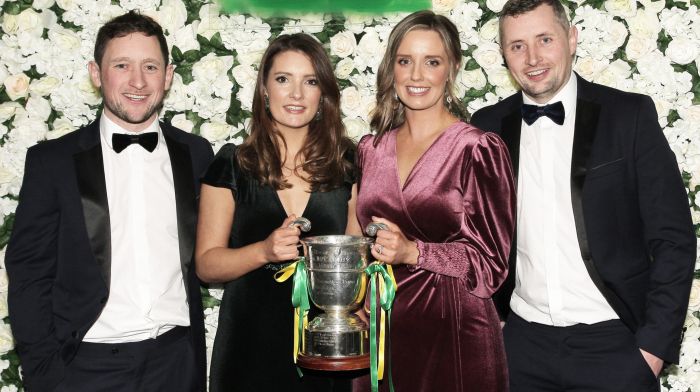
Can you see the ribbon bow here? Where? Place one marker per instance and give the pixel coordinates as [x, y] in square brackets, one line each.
[379, 272]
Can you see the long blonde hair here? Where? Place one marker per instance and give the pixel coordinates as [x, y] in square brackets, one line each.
[390, 112]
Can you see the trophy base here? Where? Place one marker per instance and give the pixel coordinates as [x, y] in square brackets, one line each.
[333, 364]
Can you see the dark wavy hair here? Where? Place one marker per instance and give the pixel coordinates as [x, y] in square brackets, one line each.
[326, 146]
[389, 112]
[123, 25]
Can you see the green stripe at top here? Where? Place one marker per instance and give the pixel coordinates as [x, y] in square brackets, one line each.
[324, 6]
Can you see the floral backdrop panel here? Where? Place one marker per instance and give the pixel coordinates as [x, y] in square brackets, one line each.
[646, 46]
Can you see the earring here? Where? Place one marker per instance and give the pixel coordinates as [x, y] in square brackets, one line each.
[449, 100]
[267, 102]
[319, 112]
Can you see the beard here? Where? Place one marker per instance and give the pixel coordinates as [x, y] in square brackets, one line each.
[123, 115]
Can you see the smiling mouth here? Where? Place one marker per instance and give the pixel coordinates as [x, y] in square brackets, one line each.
[135, 97]
[417, 90]
[294, 109]
[537, 73]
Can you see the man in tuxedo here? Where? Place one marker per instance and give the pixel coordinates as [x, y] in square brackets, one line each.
[102, 290]
[603, 259]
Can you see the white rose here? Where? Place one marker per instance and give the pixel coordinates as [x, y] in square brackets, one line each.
[350, 102]
[622, 8]
[443, 6]
[28, 131]
[344, 68]
[343, 44]
[369, 51]
[180, 121]
[495, 5]
[64, 39]
[3, 281]
[7, 176]
[355, 127]
[488, 55]
[185, 38]
[312, 23]
[690, 114]
[638, 47]
[211, 66]
[42, 4]
[3, 305]
[489, 31]
[356, 22]
[694, 302]
[215, 130]
[683, 50]
[645, 24]
[210, 22]
[38, 107]
[17, 86]
[7, 110]
[61, 126]
[244, 75]
[589, 67]
[172, 15]
[474, 78]
[31, 22]
[10, 23]
[44, 86]
[618, 70]
[6, 341]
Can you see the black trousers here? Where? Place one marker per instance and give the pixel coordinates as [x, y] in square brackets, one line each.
[163, 364]
[581, 358]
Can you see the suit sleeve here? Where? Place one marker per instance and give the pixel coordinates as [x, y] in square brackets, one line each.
[669, 235]
[31, 266]
[480, 257]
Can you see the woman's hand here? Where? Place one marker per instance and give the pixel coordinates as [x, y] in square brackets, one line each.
[281, 244]
[392, 247]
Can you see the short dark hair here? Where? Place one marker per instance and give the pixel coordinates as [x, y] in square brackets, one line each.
[129, 23]
[515, 8]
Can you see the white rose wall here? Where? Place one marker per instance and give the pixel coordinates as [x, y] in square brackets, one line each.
[652, 47]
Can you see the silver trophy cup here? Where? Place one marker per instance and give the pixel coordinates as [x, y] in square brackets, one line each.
[337, 339]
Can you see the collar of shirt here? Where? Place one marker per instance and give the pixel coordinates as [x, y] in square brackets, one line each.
[567, 96]
[109, 127]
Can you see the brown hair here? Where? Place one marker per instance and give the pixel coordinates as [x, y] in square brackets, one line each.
[515, 8]
[123, 25]
[326, 147]
[389, 112]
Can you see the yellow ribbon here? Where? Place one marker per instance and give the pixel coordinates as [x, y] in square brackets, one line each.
[300, 299]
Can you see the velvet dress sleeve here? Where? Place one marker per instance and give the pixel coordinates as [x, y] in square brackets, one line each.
[480, 257]
[222, 170]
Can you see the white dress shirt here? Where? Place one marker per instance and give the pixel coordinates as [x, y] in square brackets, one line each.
[552, 285]
[147, 293]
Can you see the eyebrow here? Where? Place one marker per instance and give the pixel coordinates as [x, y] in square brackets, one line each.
[129, 59]
[285, 73]
[430, 56]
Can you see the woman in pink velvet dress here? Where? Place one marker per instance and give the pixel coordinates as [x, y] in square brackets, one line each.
[445, 190]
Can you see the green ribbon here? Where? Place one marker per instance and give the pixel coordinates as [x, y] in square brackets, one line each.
[281, 7]
[300, 296]
[386, 300]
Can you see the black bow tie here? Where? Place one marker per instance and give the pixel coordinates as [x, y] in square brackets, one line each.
[554, 111]
[148, 140]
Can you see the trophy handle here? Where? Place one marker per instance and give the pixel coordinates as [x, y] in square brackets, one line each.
[374, 227]
[302, 223]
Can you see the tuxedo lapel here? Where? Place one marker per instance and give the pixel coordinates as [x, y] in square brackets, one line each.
[185, 198]
[587, 118]
[89, 171]
[510, 133]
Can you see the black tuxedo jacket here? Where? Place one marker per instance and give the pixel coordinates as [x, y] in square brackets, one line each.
[630, 207]
[58, 258]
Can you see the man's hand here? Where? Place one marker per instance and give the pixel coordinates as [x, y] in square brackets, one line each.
[654, 362]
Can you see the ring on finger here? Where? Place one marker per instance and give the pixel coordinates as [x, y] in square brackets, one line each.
[380, 248]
